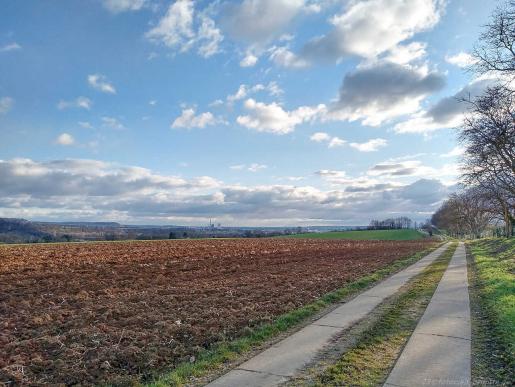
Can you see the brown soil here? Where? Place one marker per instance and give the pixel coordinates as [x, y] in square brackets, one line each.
[116, 312]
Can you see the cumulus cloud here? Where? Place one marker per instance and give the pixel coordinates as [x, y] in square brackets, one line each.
[10, 47]
[259, 21]
[96, 190]
[65, 139]
[6, 104]
[189, 120]
[249, 60]
[404, 54]
[100, 83]
[448, 112]
[272, 118]
[370, 145]
[332, 142]
[117, 6]
[336, 142]
[370, 28]
[461, 59]
[383, 91]
[79, 102]
[183, 28]
[320, 137]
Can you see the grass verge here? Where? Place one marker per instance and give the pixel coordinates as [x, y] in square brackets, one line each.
[213, 359]
[492, 295]
[369, 360]
[384, 235]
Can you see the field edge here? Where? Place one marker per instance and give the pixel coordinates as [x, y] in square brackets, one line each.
[379, 235]
[214, 361]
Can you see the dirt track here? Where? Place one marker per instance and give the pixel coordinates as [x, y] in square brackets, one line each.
[110, 312]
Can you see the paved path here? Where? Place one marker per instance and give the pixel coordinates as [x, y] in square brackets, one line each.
[438, 352]
[279, 362]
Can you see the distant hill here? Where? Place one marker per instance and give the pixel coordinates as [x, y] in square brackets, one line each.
[13, 230]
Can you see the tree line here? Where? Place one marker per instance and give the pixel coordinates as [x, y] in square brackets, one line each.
[390, 223]
[487, 193]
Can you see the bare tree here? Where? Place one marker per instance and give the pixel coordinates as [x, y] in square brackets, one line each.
[495, 51]
[464, 214]
[488, 134]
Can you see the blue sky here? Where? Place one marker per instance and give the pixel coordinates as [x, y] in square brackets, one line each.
[254, 112]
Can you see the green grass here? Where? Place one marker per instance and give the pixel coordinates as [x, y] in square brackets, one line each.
[492, 286]
[213, 359]
[369, 361]
[385, 235]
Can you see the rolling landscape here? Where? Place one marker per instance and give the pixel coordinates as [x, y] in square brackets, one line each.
[257, 193]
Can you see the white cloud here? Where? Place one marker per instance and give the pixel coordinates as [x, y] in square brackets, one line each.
[117, 6]
[240, 94]
[274, 89]
[461, 59]
[243, 91]
[6, 104]
[112, 123]
[182, 28]
[370, 145]
[152, 102]
[79, 102]
[189, 120]
[370, 28]
[209, 37]
[216, 103]
[65, 139]
[336, 142]
[255, 167]
[10, 47]
[283, 57]
[404, 54]
[249, 60]
[332, 142]
[100, 82]
[320, 137]
[272, 118]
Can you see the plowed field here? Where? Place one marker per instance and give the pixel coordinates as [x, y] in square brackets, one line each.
[111, 312]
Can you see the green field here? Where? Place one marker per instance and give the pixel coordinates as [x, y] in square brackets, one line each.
[385, 235]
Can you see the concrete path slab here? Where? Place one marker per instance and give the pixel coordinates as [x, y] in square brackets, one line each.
[281, 361]
[438, 353]
[284, 358]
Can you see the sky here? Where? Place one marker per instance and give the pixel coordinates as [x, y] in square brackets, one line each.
[250, 113]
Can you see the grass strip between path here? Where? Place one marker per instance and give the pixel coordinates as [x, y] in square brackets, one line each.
[369, 361]
[214, 358]
[492, 296]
